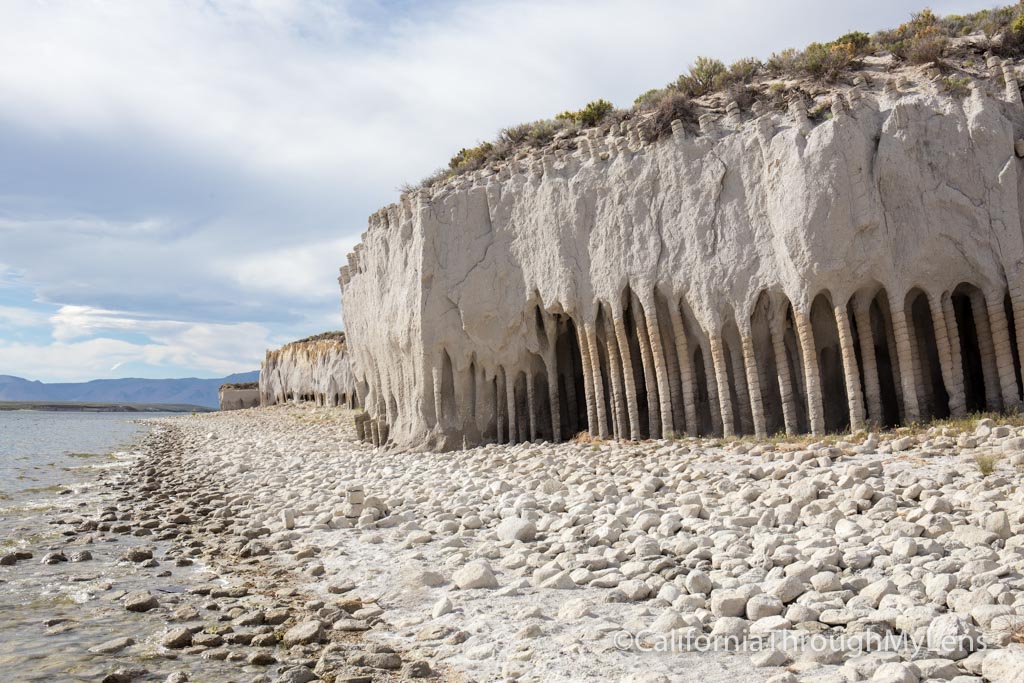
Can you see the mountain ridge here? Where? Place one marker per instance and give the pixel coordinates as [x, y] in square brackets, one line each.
[191, 390]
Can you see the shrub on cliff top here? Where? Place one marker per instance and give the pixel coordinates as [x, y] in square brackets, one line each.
[671, 105]
[703, 77]
[470, 159]
[590, 115]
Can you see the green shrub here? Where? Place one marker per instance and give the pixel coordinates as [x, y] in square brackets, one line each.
[648, 98]
[742, 71]
[470, 159]
[927, 45]
[785, 63]
[957, 87]
[704, 76]
[590, 115]
[671, 105]
[826, 62]
[857, 42]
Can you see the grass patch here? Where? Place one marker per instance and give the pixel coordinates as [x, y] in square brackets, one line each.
[986, 463]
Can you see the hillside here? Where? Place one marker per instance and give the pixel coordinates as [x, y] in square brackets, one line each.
[189, 390]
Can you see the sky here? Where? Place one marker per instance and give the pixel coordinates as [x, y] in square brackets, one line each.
[180, 180]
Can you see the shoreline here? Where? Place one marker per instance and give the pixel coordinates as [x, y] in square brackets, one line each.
[301, 554]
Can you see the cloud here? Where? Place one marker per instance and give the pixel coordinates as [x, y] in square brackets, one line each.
[175, 170]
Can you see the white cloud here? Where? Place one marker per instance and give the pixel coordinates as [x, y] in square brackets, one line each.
[300, 272]
[193, 171]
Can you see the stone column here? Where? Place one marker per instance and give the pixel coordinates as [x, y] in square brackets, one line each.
[714, 406]
[812, 378]
[569, 375]
[531, 406]
[1001, 345]
[739, 375]
[499, 399]
[894, 360]
[551, 365]
[905, 353]
[588, 378]
[944, 318]
[686, 374]
[438, 400]
[599, 420]
[754, 387]
[620, 422]
[851, 375]
[647, 362]
[989, 369]
[721, 379]
[872, 386]
[1017, 308]
[782, 370]
[510, 394]
[627, 375]
[650, 309]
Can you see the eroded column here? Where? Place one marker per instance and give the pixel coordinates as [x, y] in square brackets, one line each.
[721, 379]
[661, 369]
[805, 334]
[872, 386]
[686, 375]
[499, 404]
[790, 416]
[1001, 347]
[851, 375]
[905, 353]
[596, 376]
[620, 422]
[510, 395]
[989, 369]
[952, 367]
[625, 357]
[754, 387]
[553, 398]
[647, 362]
[531, 406]
[739, 374]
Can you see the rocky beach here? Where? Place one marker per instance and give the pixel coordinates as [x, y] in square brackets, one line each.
[269, 545]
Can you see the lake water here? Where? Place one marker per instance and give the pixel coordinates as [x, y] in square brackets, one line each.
[42, 451]
[51, 615]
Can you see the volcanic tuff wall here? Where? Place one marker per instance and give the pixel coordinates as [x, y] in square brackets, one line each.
[315, 370]
[239, 396]
[769, 273]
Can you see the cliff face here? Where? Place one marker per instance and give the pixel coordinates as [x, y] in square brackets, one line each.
[239, 396]
[770, 273]
[314, 370]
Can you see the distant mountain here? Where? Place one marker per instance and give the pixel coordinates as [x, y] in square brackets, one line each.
[202, 392]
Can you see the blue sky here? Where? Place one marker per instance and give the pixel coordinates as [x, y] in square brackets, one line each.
[180, 180]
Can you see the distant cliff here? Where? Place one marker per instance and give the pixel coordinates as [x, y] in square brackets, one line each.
[189, 390]
[315, 370]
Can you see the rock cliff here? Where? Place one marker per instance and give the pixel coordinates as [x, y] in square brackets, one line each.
[770, 272]
[239, 396]
[314, 370]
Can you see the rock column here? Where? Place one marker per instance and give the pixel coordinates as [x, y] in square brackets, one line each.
[952, 370]
[754, 386]
[904, 351]
[627, 375]
[989, 369]
[721, 378]
[1001, 345]
[872, 386]
[660, 367]
[812, 380]
[647, 363]
[851, 375]
[686, 374]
